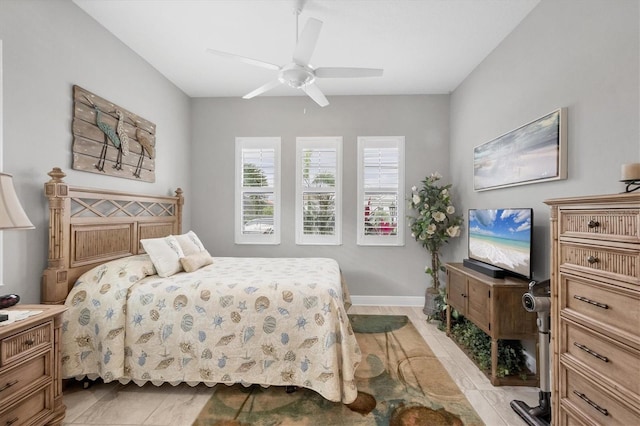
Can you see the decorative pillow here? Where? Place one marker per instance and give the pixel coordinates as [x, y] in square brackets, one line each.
[190, 243]
[165, 253]
[196, 261]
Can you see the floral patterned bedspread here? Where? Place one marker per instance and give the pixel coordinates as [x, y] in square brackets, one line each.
[240, 320]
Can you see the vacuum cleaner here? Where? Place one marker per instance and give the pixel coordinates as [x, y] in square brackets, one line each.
[538, 299]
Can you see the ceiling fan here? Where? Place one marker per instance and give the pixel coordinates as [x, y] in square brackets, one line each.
[298, 73]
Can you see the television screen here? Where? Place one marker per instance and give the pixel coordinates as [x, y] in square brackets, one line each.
[502, 238]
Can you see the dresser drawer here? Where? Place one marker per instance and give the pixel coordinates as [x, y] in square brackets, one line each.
[14, 348]
[567, 419]
[610, 361]
[605, 224]
[581, 395]
[33, 410]
[17, 378]
[608, 309]
[614, 263]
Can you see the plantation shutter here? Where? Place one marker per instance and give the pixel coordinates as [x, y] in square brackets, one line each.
[258, 190]
[380, 197]
[318, 195]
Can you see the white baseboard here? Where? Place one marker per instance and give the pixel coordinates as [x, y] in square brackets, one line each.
[387, 300]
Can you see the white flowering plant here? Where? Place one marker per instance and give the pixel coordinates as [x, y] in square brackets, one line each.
[434, 222]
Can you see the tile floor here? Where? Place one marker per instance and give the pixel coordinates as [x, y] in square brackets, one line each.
[117, 405]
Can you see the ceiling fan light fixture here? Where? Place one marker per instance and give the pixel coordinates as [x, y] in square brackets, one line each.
[296, 76]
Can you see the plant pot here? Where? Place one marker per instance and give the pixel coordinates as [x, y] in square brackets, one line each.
[430, 309]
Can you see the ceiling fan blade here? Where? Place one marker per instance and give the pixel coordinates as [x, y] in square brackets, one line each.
[254, 62]
[340, 72]
[262, 89]
[307, 42]
[316, 94]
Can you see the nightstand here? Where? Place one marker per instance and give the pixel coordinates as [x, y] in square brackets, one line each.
[30, 381]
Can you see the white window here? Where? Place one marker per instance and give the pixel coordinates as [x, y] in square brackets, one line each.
[380, 190]
[319, 190]
[257, 191]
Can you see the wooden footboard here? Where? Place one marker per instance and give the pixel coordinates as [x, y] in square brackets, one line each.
[90, 226]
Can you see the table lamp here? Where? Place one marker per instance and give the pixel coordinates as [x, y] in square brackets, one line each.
[12, 216]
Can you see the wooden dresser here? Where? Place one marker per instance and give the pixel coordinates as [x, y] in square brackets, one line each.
[30, 381]
[495, 306]
[595, 314]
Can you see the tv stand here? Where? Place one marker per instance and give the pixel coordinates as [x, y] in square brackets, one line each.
[484, 268]
[495, 306]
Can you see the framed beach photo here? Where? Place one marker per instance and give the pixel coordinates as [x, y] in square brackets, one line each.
[535, 152]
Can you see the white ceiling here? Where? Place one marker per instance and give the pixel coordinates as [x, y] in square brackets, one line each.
[424, 46]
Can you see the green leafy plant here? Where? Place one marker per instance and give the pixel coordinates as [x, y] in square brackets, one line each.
[434, 221]
[511, 359]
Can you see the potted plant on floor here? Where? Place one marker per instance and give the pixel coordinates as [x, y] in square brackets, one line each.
[434, 222]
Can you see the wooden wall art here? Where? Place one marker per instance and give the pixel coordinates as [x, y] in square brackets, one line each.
[110, 140]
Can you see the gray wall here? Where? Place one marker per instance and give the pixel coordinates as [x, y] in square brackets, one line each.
[48, 46]
[583, 55]
[370, 271]
[580, 55]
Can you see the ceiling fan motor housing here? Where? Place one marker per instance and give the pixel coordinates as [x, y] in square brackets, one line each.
[296, 76]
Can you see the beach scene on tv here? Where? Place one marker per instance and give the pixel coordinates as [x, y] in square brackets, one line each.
[502, 238]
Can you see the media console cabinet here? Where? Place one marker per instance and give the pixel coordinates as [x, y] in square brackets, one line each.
[495, 306]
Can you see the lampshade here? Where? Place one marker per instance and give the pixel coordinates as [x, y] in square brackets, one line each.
[12, 216]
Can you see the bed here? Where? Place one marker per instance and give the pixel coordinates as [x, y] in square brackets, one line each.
[266, 321]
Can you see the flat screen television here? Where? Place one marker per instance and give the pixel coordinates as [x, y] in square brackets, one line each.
[502, 238]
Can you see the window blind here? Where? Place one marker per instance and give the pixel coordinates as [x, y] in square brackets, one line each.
[381, 180]
[317, 191]
[381, 170]
[258, 190]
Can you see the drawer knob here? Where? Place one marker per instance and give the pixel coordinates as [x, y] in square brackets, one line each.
[591, 302]
[591, 403]
[591, 352]
[592, 260]
[8, 385]
[29, 342]
[593, 224]
[12, 421]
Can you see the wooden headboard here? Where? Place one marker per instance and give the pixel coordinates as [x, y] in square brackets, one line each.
[89, 226]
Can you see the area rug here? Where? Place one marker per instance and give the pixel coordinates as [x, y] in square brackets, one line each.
[400, 382]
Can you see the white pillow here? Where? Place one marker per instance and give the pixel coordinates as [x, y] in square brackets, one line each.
[165, 253]
[190, 243]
